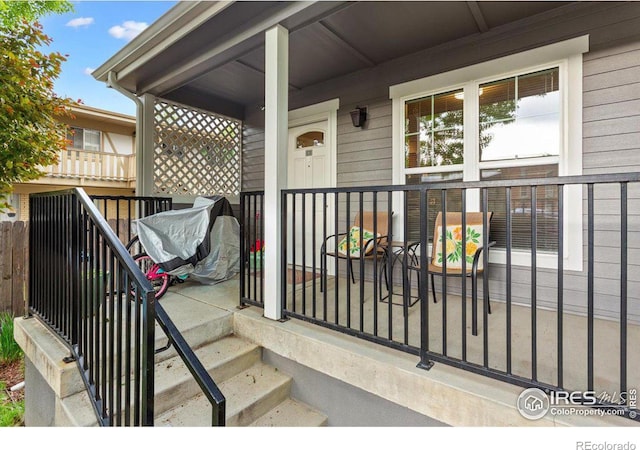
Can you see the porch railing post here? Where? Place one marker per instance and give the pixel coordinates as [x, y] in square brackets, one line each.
[74, 262]
[624, 248]
[243, 261]
[148, 360]
[275, 167]
[424, 363]
[283, 250]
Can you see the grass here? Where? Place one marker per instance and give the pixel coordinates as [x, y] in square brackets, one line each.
[9, 350]
[11, 411]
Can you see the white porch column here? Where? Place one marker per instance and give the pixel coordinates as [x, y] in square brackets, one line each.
[144, 151]
[276, 130]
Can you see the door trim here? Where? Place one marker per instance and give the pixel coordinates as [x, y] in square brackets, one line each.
[324, 111]
[315, 113]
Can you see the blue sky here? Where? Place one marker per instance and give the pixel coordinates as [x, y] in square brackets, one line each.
[90, 35]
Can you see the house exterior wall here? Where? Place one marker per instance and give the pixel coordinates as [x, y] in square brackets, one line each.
[364, 156]
[253, 153]
[611, 135]
[121, 144]
[117, 130]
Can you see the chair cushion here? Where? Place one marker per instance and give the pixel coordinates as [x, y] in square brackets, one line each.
[354, 242]
[454, 247]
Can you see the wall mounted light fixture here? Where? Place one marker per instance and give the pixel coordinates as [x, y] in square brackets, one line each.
[358, 116]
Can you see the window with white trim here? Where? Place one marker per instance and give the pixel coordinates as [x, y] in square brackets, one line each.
[84, 139]
[518, 117]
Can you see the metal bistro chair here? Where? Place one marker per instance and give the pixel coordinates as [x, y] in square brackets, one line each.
[354, 253]
[455, 251]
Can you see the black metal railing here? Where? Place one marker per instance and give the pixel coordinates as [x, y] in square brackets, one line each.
[251, 248]
[209, 388]
[87, 288]
[546, 324]
[120, 210]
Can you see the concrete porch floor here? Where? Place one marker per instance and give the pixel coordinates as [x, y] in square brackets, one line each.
[461, 397]
[405, 329]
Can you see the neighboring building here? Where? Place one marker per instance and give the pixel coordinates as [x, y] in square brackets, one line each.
[100, 159]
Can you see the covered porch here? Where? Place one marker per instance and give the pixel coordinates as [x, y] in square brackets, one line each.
[283, 77]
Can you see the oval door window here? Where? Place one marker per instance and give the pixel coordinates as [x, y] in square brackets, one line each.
[310, 139]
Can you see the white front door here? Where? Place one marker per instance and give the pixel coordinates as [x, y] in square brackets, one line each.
[310, 162]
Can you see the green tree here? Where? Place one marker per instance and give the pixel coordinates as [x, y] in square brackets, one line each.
[31, 134]
[14, 12]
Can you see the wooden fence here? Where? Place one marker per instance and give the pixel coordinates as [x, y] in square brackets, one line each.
[14, 263]
[14, 266]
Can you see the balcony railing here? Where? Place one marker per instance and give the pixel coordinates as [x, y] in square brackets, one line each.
[74, 163]
[546, 323]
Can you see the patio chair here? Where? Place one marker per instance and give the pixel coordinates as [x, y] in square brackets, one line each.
[454, 253]
[349, 243]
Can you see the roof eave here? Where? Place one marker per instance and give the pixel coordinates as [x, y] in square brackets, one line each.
[168, 29]
[101, 114]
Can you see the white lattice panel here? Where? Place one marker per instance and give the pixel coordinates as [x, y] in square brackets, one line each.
[196, 153]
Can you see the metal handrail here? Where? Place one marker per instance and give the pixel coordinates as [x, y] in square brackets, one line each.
[82, 285]
[79, 272]
[200, 374]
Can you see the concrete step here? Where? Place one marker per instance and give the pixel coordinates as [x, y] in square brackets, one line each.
[258, 396]
[291, 413]
[252, 393]
[223, 359]
[199, 323]
[249, 395]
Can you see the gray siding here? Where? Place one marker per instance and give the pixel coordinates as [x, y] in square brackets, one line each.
[364, 155]
[612, 109]
[611, 137]
[611, 141]
[253, 153]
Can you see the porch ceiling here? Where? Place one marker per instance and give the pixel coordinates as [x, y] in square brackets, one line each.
[215, 50]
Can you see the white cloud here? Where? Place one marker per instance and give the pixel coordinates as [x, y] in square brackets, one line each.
[128, 30]
[80, 22]
[88, 70]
